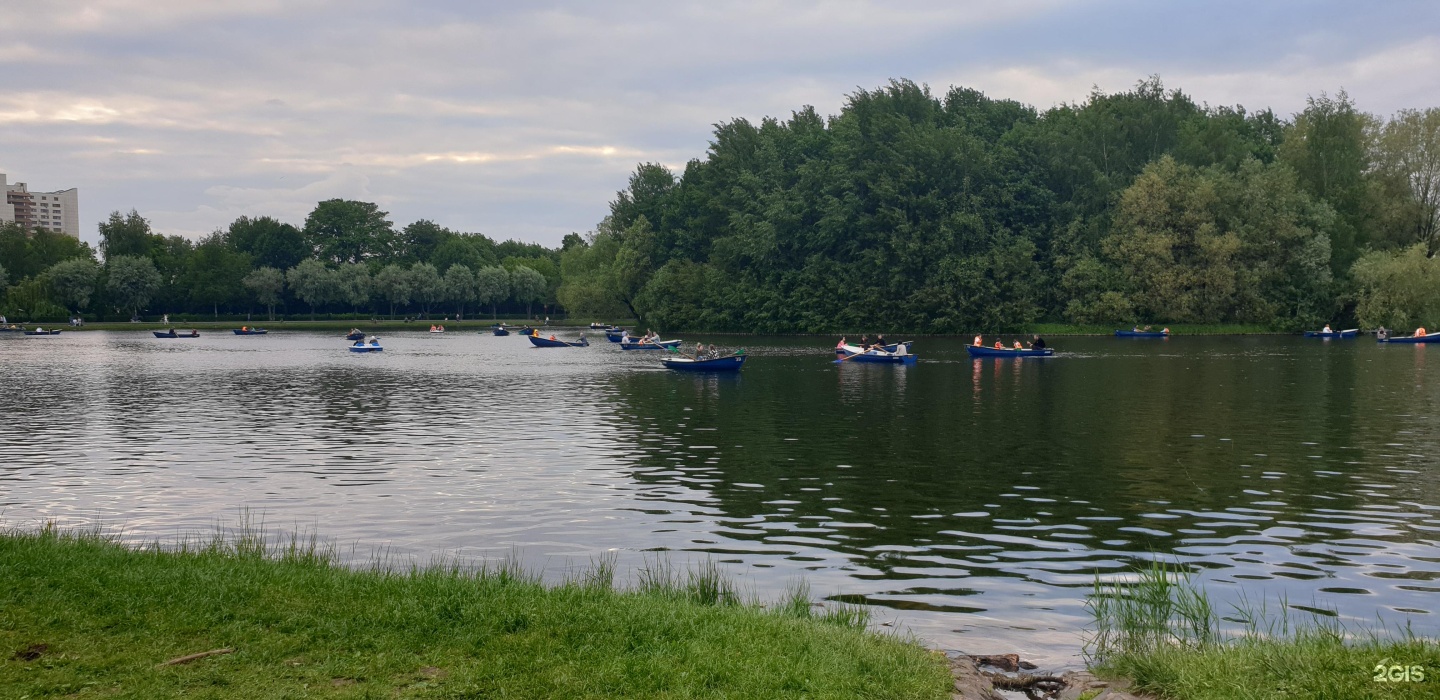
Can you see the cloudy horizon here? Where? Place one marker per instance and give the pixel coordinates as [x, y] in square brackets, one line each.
[522, 122]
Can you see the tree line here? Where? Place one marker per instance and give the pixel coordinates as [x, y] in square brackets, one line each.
[906, 211]
[959, 212]
[348, 258]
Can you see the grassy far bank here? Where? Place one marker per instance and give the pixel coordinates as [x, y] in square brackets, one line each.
[82, 616]
[1045, 329]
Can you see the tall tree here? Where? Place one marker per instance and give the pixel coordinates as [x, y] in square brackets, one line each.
[355, 284]
[314, 283]
[419, 240]
[214, 273]
[1329, 149]
[267, 284]
[427, 284]
[459, 288]
[343, 230]
[1410, 150]
[528, 286]
[72, 282]
[394, 285]
[269, 242]
[127, 234]
[133, 280]
[492, 286]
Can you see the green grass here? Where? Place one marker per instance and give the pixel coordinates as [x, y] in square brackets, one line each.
[98, 617]
[1162, 632]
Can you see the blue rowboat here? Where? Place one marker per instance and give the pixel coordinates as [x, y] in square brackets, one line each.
[249, 331]
[40, 331]
[523, 330]
[500, 331]
[355, 335]
[1412, 339]
[657, 345]
[366, 348]
[880, 358]
[614, 334]
[540, 342]
[982, 351]
[718, 364]
[1141, 334]
[852, 349]
[1351, 333]
[169, 334]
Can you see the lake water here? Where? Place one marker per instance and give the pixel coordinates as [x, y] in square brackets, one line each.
[971, 502]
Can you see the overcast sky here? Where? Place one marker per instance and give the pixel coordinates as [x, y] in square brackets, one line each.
[522, 122]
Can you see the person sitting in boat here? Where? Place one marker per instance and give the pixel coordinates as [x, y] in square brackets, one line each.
[714, 352]
[1326, 329]
[840, 345]
[1420, 332]
[1382, 333]
[999, 345]
[978, 343]
[1038, 343]
[699, 350]
[1165, 330]
[1136, 329]
[1018, 346]
[552, 336]
[359, 342]
[375, 341]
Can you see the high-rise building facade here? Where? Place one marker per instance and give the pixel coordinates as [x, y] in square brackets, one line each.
[54, 211]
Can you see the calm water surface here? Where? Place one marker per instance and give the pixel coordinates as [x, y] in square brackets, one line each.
[972, 502]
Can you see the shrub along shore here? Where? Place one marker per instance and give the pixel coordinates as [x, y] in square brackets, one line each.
[1045, 329]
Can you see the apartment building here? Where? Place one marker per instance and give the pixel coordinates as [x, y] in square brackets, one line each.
[55, 211]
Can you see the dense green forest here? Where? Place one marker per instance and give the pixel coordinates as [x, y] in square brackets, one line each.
[906, 211]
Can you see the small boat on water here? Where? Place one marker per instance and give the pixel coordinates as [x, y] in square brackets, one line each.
[649, 345]
[731, 363]
[1428, 338]
[552, 342]
[901, 356]
[249, 331]
[524, 330]
[983, 351]
[172, 334]
[600, 326]
[362, 346]
[355, 334]
[437, 329]
[42, 331]
[1142, 334]
[852, 349]
[500, 330]
[614, 335]
[1349, 333]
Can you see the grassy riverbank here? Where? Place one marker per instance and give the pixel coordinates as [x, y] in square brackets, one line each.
[1163, 633]
[82, 616]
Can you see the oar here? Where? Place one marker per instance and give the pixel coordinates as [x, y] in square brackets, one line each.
[862, 352]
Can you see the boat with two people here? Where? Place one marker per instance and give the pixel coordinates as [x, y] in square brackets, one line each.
[552, 342]
[650, 341]
[1326, 332]
[498, 329]
[247, 330]
[841, 347]
[1146, 332]
[1419, 336]
[437, 329]
[41, 331]
[875, 353]
[355, 334]
[361, 345]
[172, 334]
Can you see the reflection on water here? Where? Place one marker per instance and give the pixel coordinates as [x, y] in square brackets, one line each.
[974, 500]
